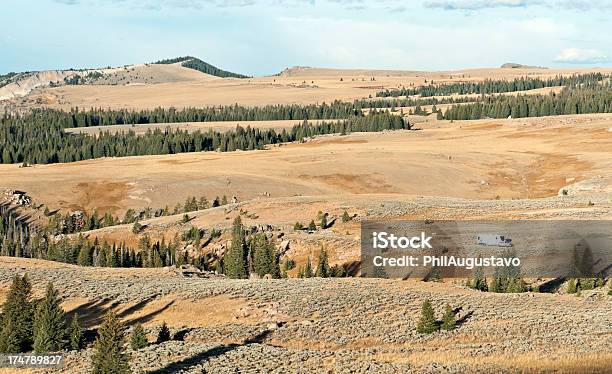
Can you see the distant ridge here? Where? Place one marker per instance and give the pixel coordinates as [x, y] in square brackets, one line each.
[513, 65]
[199, 65]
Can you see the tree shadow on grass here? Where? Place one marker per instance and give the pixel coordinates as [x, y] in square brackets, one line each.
[202, 357]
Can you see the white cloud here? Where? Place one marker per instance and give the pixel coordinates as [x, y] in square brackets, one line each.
[479, 4]
[584, 5]
[581, 56]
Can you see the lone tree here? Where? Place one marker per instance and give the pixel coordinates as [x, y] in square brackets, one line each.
[109, 349]
[49, 326]
[324, 221]
[138, 339]
[572, 286]
[76, 334]
[427, 324]
[345, 217]
[448, 320]
[312, 226]
[17, 317]
[164, 334]
[137, 228]
[323, 270]
[235, 259]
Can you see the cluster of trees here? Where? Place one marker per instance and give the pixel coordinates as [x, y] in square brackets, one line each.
[41, 325]
[323, 270]
[4, 78]
[578, 100]
[106, 117]
[490, 86]
[17, 241]
[507, 280]
[199, 65]
[31, 139]
[38, 325]
[404, 102]
[257, 254]
[70, 223]
[428, 323]
[79, 79]
[321, 218]
[577, 285]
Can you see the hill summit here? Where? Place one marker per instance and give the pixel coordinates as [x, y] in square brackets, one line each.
[199, 65]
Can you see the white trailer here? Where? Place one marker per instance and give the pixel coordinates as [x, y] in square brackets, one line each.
[493, 240]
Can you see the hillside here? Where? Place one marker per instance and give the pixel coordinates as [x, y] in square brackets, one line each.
[16, 85]
[199, 65]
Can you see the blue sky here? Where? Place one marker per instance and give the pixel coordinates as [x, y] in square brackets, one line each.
[260, 37]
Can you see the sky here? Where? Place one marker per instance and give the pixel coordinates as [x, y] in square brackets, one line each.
[262, 37]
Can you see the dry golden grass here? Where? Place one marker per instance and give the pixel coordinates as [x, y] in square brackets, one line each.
[562, 363]
[301, 86]
[486, 159]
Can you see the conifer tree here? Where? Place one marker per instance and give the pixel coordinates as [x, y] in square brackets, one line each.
[164, 334]
[49, 326]
[312, 226]
[572, 286]
[324, 221]
[17, 317]
[479, 282]
[235, 258]
[345, 217]
[84, 258]
[77, 340]
[323, 270]
[448, 320]
[427, 323]
[138, 338]
[265, 258]
[109, 355]
[308, 269]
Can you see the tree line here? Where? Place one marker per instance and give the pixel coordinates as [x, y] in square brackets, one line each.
[577, 100]
[76, 117]
[33, 139]
[489, 86]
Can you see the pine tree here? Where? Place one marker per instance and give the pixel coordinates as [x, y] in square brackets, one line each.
[572, 286]
[427, 323]
[49, 327]
[77, 340]
[138, 339]
[109, 355]
[298, 226]
[164, 334]
[235, 258]
[324, 221]
[323, 264]
[265, 259]
[308, 269]
[345, 217]
[84, 257]
[479, 282]
[312, 226]
[448, 320]
[136, 228]
[17, 317]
